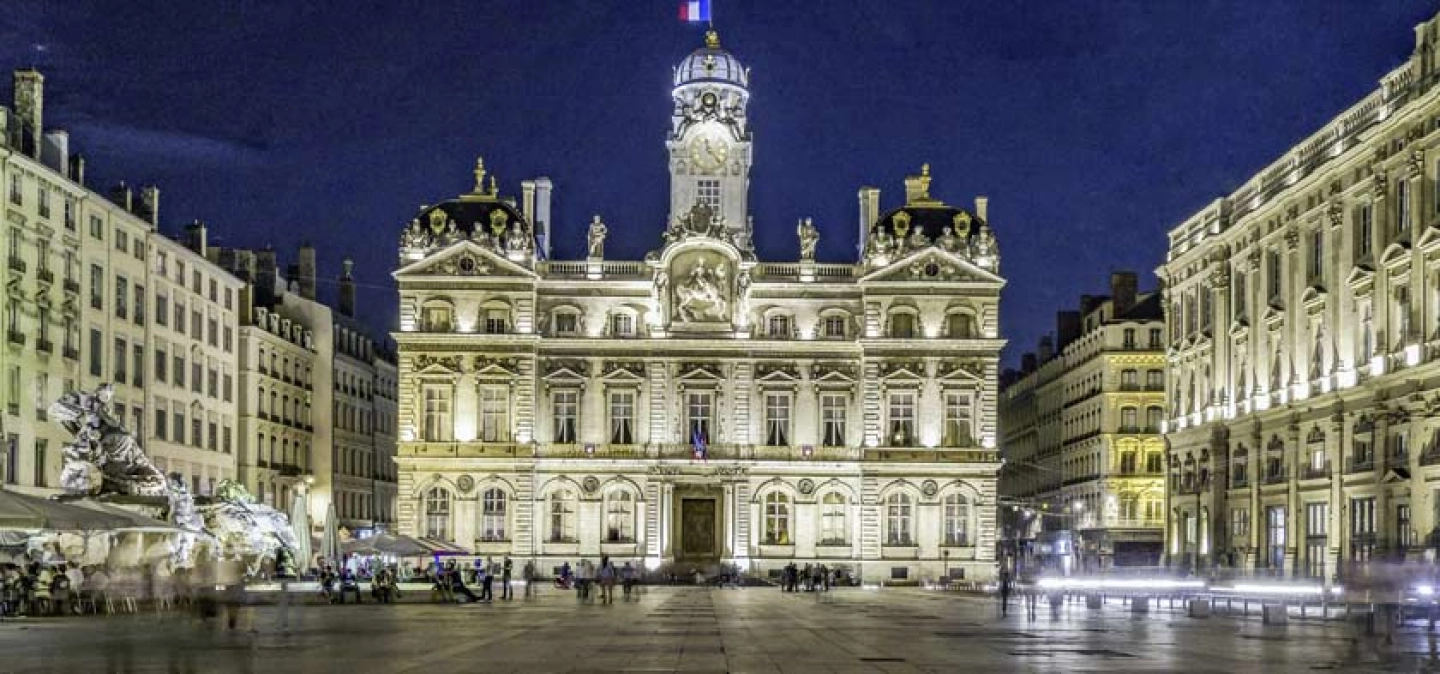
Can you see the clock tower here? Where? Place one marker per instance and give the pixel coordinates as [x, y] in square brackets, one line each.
[709, 142]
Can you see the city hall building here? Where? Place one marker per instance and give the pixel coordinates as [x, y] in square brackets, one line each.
[700, 406]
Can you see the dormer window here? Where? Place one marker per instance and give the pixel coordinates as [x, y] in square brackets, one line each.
[567, 323]
[436, 318]
[497, 321]
[902, 325]
[960, 326]
[778, 327]
[833, 327]
[622, 325]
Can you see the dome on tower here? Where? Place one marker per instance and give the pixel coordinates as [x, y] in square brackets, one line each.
[711, 64]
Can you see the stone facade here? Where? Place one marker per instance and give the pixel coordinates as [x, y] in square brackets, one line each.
[700, 405]
[1303, 320]
[1084, 458]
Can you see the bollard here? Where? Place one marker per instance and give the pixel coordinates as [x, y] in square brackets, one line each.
[1275, 614]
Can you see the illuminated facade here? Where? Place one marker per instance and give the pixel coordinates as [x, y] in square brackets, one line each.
[1304, 325]
[1081, 434]
[553, 409]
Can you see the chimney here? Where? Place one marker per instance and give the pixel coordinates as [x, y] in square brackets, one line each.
[1047, 348]
[195, 238]
[265, 273]
[123, 196]
[1027, 363]
[347, 288]
[1067, 328]
[541, 223]
[56, 152]
[1123, 288]
[307, 271]
[30, 106]
[982, 208]
[150, 207]
[869, 213]
[917, 188]
[77, 169]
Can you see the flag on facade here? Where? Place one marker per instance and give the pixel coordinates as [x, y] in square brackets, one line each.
[697, 440]
[695, 11]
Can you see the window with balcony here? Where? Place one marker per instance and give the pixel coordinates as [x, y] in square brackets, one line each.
[959, 417]
[566, 410]
[494, 414]
[777, 419]
[1129, 380]
[439, 424]
[1129, 420]
[699, 407]
[622, 417]
[832, 419]
[900, 429]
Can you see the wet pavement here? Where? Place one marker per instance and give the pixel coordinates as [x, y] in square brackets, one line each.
[691, 629]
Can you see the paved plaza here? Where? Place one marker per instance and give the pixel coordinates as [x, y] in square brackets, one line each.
[691, 629]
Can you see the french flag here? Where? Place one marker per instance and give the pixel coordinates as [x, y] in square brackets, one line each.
[697, 442]
[695, 11]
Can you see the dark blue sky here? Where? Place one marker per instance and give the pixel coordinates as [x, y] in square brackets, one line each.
[1092, 126]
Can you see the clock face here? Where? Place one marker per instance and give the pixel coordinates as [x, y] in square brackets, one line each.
[708, 151]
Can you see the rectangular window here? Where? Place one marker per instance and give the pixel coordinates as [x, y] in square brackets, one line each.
[1128, 340]
[1402, 206]
[902, 325]
[196, 325]
[1402, 525]
[622, 325]
[212, 383]
[41, 460]
[212, 442]
[835, 327]
[778, 327]
[12, 458]
[212, 332]
[137, 364]
[1317, 526]
[97, 228]
[160, 421]
[959, 415]
[494, 414]
[162, 360]
[17, 190]
[833, 407]
[162, 309]
[122, 297]
[497, 321]
[178, 417]
[707, 191]
[1315, 268]
[179, 370]
[1364, 230]
[97, 353]
[197, 380]
[566, 406]
[43, 194]
[699, 406]
[97, 287]
[1362, 529]
[179, 316]
[139, 313]
[1156, 339]
[777, 419]
[565, 324]
[1273, 272]
[228, 343]
[1275, 536]
[622, 417]
[122, 242]
[900, 431]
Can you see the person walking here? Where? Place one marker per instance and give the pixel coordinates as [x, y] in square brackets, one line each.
[607, 580]
[1006, 587]
[506, 567]
[527, 574]
[627, 578]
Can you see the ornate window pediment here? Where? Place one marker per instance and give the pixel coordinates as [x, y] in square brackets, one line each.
[428, 366]
[1361, 280]
[961, 373]
[701, 373]
[899, 372]
[491, 367]
[777, 374]
[622, 371]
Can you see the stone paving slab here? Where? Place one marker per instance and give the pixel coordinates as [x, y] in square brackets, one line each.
[703, 630]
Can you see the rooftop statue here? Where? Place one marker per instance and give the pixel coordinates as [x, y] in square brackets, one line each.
[809, 237]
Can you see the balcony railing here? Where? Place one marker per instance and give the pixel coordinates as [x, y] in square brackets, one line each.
[1315, 472]
[1276, 477]
[44, 345]
[17, 264]
[1239, 482]
[1360, 466]
[16, 337]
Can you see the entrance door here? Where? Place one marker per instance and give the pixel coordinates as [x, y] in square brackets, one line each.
[697, 529]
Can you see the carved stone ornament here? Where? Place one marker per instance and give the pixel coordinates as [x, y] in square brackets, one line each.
[1292, 239]
[634, 367]
[1336, 213]
[807, 486]
[465, 483]
[577, 366]
[425, 360]
[1417, 163]
[703, 294]
[482, 362]
[824, 369]
[1378, 184]
[766, 369]
[967, 366]
[929, 488]
[591, 484]
[697, 368]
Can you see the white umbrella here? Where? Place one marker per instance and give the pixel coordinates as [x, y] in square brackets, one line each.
[330, 544]
[300, 523]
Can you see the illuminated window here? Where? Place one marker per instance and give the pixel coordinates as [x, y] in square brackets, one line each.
[901, 429]
[619, 517]
[494, 414]
[898, 519]
[958, 420]
[437, 513]
[832, 519]
[622, 417]
[832, 419]
[562, 516]
[494, 505]
[698, 407]
[957, 520]
[777, 519]
[566, 406]
[438, 425]
[777, 419]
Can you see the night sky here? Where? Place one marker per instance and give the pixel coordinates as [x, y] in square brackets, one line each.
[1093, 127]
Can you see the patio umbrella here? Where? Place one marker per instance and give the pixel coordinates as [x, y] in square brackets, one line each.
[330, 542]
[21, 511]
[300, 522]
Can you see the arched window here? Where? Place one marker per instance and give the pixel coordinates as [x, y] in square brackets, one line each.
[1127, 461]
[437, 513]
[902, 325]
[619, 517]
[562, 516]
[1129, 420]
[777, 326]
[777, 519]
[437, 317]
[832, 519]
[898, 519]
[957, 520]
[494, 504]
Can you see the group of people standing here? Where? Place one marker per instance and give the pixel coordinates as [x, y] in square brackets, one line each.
[813, 577]
[586, 575]
[39, 589]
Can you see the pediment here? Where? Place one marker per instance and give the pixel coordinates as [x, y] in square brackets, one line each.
[465, 259]
[931, 265]
[1396, 475]
[433, 367]
[778, 374]
[1360, 277]
[961, 373]
[565, 372]
[706, 372]
[895, 372]
[504, 368]
[1314, 298]
[1429, 240]
[628, 372]
[1396, 254]
[833, 374]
